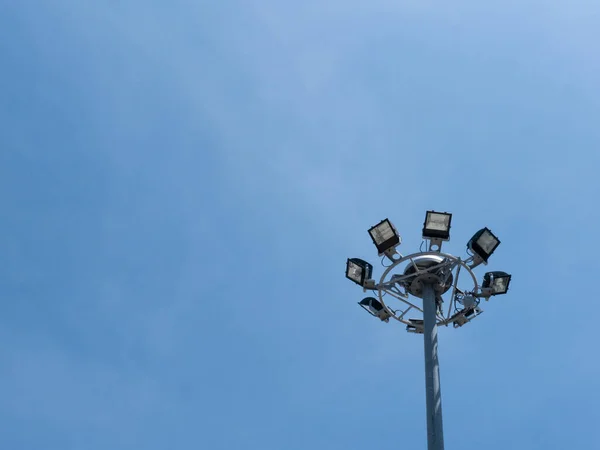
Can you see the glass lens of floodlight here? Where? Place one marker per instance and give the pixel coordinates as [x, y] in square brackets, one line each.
[497, 281]
[500, 285]
[487, 241]
[437, 225]
[437, 221]
[354, 272]
[382, 232]
[384, 236]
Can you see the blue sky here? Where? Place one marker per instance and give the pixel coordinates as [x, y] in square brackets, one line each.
[181, 183]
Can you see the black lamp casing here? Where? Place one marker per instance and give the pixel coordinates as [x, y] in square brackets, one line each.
[371, 302]
[437, 234]
[474, 246]
[367, 270]
[489, 277]
[392, 242]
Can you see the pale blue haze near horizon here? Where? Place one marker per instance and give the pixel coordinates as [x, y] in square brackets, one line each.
[181, 183]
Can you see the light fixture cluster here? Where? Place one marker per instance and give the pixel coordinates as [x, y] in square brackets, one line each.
[436, 229]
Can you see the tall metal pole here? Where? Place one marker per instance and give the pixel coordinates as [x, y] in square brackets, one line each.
[435, 432]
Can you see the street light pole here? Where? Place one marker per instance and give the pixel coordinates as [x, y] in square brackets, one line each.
[435, 431]
[427, 276]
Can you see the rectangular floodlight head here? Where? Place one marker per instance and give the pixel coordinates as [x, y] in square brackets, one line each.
[358, 271]
[372, 305]
[384, 235]
[416, 326]
[437, 225]
[484, 243]
[498, 282]
[375, 308]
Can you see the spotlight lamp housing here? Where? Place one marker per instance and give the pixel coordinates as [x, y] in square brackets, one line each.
[437, 226]
[483, 244]
[385, 237]
[495, 283]
[465, 316]
[358, 271]
[415, 326]
[375, 308]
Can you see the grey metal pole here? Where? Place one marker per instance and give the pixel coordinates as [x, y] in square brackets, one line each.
[435, 432]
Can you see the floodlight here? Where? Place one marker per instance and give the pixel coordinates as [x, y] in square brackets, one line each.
[358, 271]
[416, 326]
[465, 315]
[384, 235]
[496, 282]
[483, 243]
[459, 320]
[437, 225]
[375, 308]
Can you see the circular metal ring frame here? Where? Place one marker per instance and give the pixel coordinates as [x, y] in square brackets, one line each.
[458, 266]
